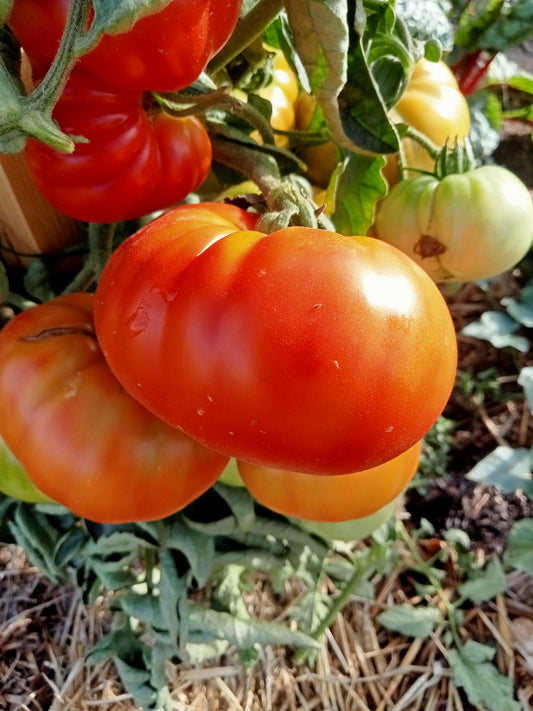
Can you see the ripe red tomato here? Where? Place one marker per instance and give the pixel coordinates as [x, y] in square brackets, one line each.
[335, 498]
[165, 51]
[301, 349]
[79, 436]
[137, 159]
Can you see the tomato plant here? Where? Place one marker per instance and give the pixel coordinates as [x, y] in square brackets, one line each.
[321, 160]
[15, 482]
[137, 158]
[301, 349]
[433, 104]
[164, 51]
[464, 227]
[80, 437]
[333, 498]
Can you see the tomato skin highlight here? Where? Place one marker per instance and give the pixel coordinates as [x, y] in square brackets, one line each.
[302, 349]
[334, 498]
[165, 51]
[80, 437]
[464, 227]
[135, 161]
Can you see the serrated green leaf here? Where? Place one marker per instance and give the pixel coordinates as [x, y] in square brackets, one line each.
[519, 551]
[525, 379]
[241, 503]
[358, 188]
[410, 620]
[33, 532]
[483, 684]
[227, 591]
[506, 468]
[197, 548]
[310, 610]
[245, 633]
[137, 682]
[488, 583]
[497, 328]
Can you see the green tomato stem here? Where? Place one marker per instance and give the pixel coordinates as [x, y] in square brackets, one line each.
[49, 90]
[421, 138]
[372, 559]
[101, 238]
[249, 28]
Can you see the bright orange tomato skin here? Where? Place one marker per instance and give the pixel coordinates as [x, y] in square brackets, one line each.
[334, 498]
[302, 349]
[83, 440]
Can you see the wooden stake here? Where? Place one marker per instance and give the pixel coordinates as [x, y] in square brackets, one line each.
[28, 223]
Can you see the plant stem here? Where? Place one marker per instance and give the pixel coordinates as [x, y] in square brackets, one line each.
[48, 91]
[248, 29]
[423, 567]
[100, 247]
[426, 143]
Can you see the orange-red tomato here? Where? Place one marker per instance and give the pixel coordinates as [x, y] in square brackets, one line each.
[334, 498]
[137, 158]
[164, 51]
[79, 436]
[302, 349]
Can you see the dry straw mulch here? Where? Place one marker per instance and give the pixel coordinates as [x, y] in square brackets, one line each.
[45, 631]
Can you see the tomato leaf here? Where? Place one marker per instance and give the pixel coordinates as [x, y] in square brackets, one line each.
[483, 684]
[488, 583]
[244, 633]
[519, 551]
[522, 310]
[358, 187]
[506, 468]
[498, 329]
[117, 16]
[410, 620]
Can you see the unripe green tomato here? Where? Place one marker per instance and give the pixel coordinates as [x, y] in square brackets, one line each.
[15, 482]
[231, 475]
[464, 227]
[352, 530]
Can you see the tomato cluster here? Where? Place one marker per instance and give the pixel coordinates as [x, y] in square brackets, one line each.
[136, 158]
[311, 357]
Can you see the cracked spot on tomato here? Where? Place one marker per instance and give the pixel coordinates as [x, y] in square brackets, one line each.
[428, 246]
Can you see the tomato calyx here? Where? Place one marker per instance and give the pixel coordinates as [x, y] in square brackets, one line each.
[454, 160]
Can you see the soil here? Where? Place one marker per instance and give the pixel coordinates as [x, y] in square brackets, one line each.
[456, 502]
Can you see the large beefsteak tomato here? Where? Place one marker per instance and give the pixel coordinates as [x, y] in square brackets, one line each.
[137, 158]
[83, 440]
[302, 349]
